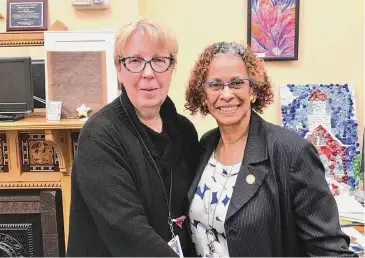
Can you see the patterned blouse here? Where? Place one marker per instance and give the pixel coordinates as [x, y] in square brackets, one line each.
[209, 207]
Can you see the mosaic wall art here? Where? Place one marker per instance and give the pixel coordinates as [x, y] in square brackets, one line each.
[326, 116]
[4, 155]
[37, 154]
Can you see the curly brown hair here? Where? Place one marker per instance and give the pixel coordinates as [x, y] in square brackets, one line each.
[260, 82]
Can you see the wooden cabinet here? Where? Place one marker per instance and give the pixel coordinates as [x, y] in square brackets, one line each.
[37, 154]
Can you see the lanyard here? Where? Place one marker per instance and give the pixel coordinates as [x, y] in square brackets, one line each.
[169, 219]
[167, 199]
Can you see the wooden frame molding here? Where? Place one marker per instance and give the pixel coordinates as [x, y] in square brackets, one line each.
[62, 136]
[30, 185]
[60, 140]
[17, 39]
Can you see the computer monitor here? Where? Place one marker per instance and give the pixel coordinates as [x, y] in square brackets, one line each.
[16, 88]
[39, 86]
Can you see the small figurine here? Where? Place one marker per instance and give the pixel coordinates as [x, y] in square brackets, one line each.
[82, 111]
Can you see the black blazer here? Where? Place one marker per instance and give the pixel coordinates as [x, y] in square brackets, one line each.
[289, 209]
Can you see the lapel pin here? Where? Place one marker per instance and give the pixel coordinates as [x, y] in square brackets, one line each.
[250, 179]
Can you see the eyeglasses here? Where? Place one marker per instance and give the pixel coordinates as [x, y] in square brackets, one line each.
[159, 64]
[234, 85]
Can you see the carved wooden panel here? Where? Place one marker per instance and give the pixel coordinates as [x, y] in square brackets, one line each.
[37, 155]
[16, 240]
[74, 137]
[49, 224]
[17, 234]
[4, 155]
[19, 204]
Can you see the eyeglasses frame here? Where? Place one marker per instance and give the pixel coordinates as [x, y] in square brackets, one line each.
[148, 61]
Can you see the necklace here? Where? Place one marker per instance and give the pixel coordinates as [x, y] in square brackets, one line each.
[211, 232]
[241, 136]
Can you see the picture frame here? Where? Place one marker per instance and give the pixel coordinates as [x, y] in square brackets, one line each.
[79, 69]
[27, 15]
[273, 41]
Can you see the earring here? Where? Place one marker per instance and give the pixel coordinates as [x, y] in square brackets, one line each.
[253, 98]
[205, 103]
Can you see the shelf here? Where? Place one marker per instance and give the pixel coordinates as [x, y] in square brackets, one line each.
[17, 39]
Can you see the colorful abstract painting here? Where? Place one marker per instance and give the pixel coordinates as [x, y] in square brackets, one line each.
[273, 28]
[326, 116]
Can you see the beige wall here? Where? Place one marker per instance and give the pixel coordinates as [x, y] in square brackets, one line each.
[331, 40]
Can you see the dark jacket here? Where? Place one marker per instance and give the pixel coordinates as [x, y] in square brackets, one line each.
[118, 205]
[289, 209]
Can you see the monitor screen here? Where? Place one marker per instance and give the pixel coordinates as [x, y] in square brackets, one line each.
[16, 89]
[38, 78]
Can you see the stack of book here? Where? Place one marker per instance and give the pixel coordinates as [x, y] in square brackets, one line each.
[352, 221]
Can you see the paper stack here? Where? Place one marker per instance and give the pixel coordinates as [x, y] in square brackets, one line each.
[349, 208]
[351, 217]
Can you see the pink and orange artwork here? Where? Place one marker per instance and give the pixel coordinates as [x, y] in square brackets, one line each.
[273, 28]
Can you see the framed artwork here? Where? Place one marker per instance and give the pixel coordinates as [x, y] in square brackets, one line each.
[79, 68]
[325, 115]
[273, 29]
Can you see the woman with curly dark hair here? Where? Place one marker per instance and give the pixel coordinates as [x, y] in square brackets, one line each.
[260, 189]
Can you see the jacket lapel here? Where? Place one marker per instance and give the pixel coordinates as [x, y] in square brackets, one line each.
[250, 176]
[256, 152]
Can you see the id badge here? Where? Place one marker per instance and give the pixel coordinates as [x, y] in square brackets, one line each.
[176, 246]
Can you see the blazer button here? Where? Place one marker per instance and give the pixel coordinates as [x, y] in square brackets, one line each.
[232, 232]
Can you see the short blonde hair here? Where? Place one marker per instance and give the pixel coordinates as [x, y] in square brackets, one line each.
[159, 35]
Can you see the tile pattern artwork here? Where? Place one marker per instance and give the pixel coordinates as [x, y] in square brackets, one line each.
[326, 116]
[37, 154]
[4, 155]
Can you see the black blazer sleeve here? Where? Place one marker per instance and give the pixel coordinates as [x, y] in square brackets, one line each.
[102, 176]
[315, 208]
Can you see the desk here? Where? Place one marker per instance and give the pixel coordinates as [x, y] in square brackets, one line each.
[37, 154]
[360, 229]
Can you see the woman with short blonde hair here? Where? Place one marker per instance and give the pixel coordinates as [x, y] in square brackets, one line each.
[158, 35]
[136, 158]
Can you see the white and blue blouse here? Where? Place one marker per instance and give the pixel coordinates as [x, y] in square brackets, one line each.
[209, 206]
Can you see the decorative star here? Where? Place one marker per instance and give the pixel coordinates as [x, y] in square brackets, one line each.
[82, 111]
